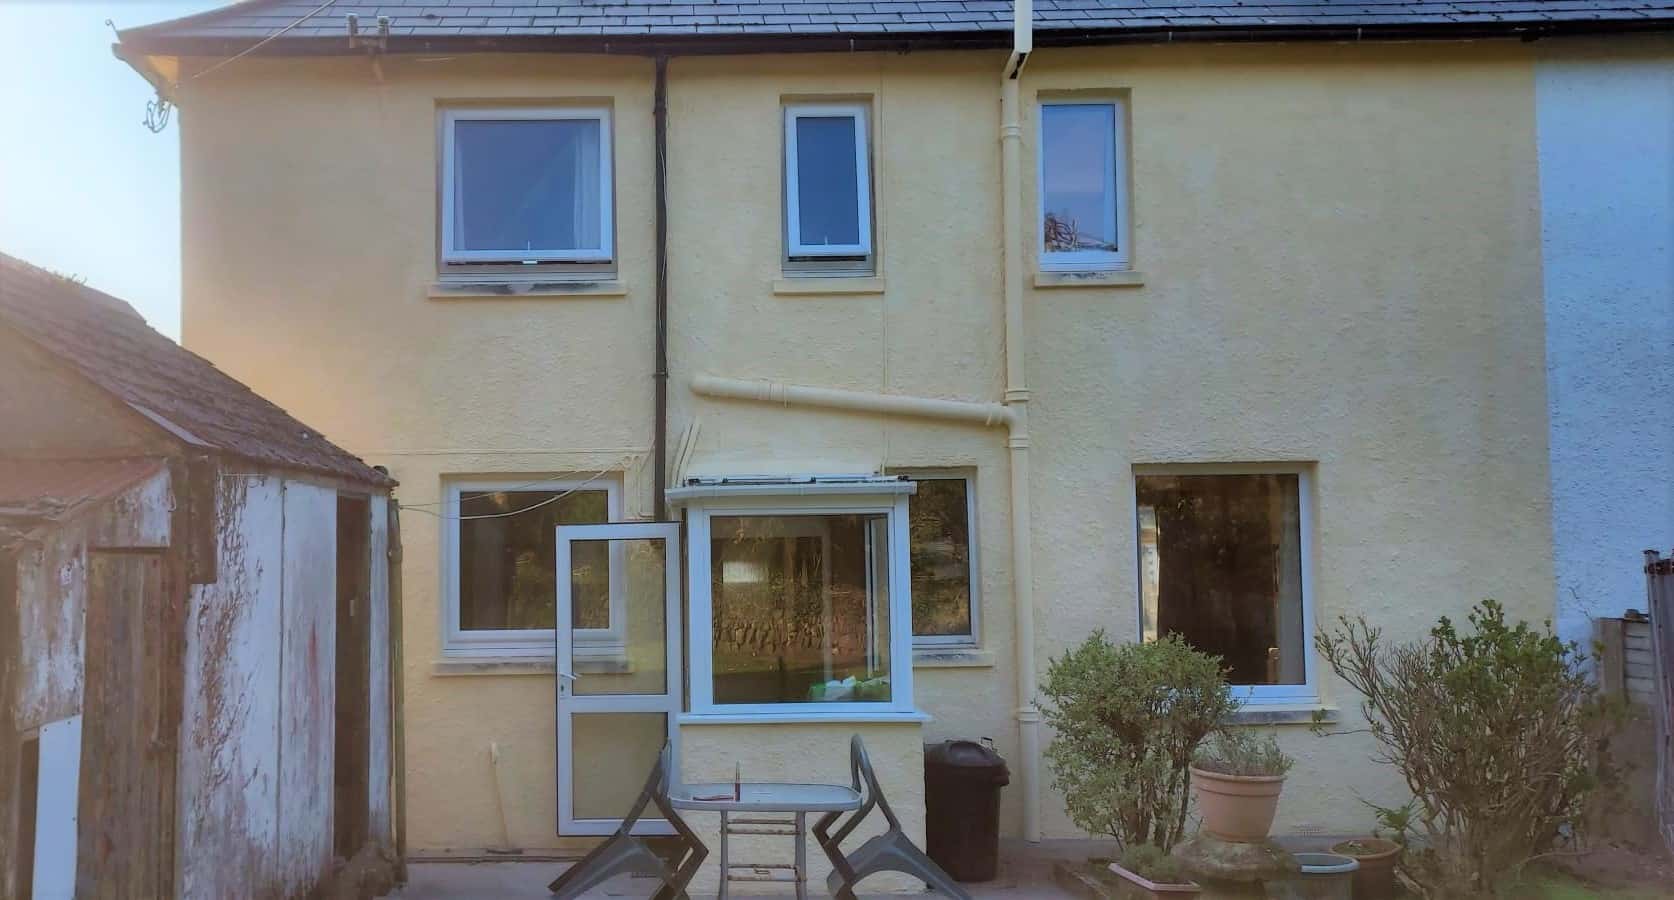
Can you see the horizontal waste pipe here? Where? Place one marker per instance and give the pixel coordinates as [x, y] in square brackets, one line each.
[857, 401]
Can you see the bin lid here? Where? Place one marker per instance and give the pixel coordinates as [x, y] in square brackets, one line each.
[966, 759]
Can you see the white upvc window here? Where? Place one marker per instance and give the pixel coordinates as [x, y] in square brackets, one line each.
[499, 565]
[1083, 186]
[526, 185]
[941, 524]
[1225, 562]
[800, 606]
[828, 182]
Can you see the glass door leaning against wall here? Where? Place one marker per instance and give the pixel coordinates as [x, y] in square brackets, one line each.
[619, 668]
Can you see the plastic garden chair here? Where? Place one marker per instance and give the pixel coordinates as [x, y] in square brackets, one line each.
[891, 851]
[625, 853]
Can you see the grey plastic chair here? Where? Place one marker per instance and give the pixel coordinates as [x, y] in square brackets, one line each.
[626, 853]
[891, 851]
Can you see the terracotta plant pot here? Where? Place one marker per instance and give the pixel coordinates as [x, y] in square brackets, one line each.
[1375, 879]
[1237, 808]
[1139, 886]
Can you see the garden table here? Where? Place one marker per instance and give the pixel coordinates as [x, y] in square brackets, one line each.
[752, 813]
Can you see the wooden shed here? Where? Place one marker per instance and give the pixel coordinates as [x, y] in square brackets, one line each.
[195, 622]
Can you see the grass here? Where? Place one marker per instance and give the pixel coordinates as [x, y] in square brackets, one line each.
[1553, 886]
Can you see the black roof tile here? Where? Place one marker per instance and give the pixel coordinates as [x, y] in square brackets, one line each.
[256, 20]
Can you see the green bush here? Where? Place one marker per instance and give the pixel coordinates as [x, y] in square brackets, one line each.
[1499, 734]
[1240, 752]
[1153, 865]
[1127, 720]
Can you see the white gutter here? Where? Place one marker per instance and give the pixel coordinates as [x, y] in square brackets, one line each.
[854, 401]
[1014, 226]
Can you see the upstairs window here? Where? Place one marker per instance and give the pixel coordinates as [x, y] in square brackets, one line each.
[1083, 180]
[522, 186]
[828, 184]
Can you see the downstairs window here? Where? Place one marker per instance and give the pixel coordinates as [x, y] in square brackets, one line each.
[1222, 563]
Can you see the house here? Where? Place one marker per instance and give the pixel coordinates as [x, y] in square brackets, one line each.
[1607, 254]
[195, 612]
[776, 372]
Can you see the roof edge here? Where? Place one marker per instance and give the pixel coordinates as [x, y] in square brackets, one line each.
[740, 44]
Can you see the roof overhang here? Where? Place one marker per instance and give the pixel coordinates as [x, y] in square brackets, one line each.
[139, 49]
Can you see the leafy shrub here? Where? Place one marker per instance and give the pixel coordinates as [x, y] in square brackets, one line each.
[1152, 864]
[1498, 733]
[1127, 720]
[1240, 752]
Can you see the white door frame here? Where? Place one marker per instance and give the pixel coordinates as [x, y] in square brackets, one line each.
[569, 703]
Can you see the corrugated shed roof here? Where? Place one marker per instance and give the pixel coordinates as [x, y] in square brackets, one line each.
[109, 344]
[47, 488]
[304, 19]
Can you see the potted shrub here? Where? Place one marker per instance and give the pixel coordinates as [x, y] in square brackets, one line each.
[1238, 778]
[1149, 872]
[1126, 720]
[1375, 879]
[1497, 729]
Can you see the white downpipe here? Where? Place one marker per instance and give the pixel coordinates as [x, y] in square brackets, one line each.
[854, 401]
[1015, 226]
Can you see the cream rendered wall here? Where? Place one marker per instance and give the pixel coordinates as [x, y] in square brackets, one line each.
[1340, 249]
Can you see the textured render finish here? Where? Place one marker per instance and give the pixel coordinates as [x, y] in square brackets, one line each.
[1328, 281]
[1607, 204]
[803, 753]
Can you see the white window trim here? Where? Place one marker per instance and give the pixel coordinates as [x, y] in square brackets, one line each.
[795, 248]
[1116, 181]
[700, 614]
[955, 640]
[606, 646]
[1254, 695]
[607, 201]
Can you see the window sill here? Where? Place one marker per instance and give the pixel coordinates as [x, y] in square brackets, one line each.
[1285, 714]
[807, 286]
[1118, 278]
[949, 657]
[511, 665]
[516, 290]
[810, 717]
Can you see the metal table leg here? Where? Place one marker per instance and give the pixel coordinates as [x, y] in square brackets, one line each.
[801, 856]
[726, 873]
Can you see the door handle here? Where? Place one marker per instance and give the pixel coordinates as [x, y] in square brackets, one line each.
[570, 675]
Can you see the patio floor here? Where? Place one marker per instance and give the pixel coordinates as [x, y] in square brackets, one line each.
[1025, 872]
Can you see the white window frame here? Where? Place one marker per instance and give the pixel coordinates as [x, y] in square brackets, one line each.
[1116, 182]
[604, 645]
[941, 641]
[607, 200]
[700, 606]
[1306, 693]
[795, 248]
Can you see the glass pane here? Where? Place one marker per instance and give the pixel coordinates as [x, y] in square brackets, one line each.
[941, 557]
[827, 181]
[1220, 561]
[508, 563]
[526, 185]
[1078, 176]
[613, 756]
[801, 608]
[631, 656]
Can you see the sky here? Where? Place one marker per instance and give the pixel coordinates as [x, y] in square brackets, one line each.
[85, 189]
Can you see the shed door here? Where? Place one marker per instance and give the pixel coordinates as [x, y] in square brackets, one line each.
[618, 667]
